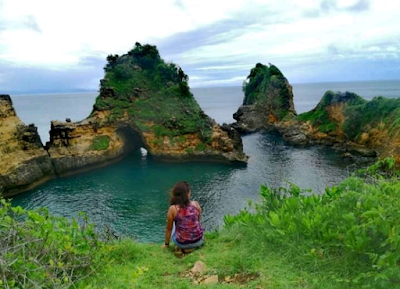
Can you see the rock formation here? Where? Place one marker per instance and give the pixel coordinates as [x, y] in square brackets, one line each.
[351, 123]
[268, 100]
[24, 162]
[143, 102]
[344, 121]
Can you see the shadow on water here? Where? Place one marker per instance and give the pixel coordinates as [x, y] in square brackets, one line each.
[132, 196]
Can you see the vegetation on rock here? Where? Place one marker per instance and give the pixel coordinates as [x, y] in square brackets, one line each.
[347, 237]
[359, 115]
[257, 82]
[320, 116]
[363, 116]
[153, 93]
[268, 98]
[100, 143]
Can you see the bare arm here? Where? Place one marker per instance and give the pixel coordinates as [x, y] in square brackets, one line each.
[170, 220]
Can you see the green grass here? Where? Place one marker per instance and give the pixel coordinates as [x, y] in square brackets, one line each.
[226, 253]
[100, 143]
[320, 118]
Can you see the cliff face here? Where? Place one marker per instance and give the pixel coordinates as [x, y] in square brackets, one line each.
[24, 162]
[143, 102]
[268, 100]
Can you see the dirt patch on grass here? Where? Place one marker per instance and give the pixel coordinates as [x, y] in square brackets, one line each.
[198, 276]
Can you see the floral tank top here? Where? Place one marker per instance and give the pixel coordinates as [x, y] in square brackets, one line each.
[187, 225]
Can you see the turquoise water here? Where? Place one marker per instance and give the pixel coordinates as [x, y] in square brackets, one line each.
[131, 196]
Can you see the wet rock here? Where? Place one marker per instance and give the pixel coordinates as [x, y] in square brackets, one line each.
[347, 155]
[363, 152]
[295, 136]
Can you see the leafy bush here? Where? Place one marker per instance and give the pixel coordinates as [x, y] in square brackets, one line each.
[356, 222]
[38, 250]
[100, 143]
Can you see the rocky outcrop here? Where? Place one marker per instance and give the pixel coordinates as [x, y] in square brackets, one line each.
[328, 125]
[344, 121]
[24, 162]
[268, 100]
[143, 102]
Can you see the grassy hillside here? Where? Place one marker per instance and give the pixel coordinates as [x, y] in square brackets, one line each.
[348, 237]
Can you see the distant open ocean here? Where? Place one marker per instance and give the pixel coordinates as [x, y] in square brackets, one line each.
[218, 102]
[131, 196]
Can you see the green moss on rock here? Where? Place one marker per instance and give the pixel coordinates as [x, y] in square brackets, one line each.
[100, 143]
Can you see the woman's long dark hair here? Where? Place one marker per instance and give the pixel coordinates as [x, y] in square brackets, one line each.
[180, 194]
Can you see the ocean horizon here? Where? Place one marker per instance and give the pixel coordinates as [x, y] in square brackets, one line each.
[219, 102]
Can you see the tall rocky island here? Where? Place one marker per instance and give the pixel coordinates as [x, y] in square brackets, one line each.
[144, 102]
[268, 100]
[342, 120]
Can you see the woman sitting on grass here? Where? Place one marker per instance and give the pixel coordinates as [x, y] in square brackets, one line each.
[183, 220]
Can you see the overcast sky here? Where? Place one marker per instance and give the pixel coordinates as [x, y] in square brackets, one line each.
[62, 44]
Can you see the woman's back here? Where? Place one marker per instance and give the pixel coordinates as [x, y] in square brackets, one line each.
[187, 224]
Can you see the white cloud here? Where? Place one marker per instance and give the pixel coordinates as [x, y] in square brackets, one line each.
[61, 34]
[71, 30]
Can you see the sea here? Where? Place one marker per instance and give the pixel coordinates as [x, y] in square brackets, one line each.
[131, 197]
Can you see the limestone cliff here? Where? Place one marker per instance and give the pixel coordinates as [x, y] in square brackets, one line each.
[268, 100]
[24, 162]
[143, 102]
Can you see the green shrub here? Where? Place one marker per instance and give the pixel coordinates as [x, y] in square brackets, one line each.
[100, 143]
[38, 250]
[200, 147]
[353, 228]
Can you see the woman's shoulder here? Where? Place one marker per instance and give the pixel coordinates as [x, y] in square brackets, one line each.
[195, 204]
[173, 208]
